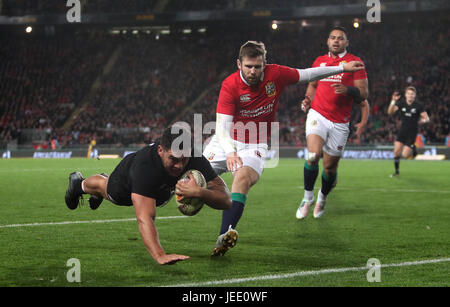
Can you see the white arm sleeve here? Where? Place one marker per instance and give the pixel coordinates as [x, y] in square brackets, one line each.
[317, 73]
[223, 127]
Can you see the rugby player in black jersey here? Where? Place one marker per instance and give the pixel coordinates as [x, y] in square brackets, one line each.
[147, 179]
[412, 113]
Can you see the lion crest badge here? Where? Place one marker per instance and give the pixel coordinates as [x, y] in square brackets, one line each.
[270, 89]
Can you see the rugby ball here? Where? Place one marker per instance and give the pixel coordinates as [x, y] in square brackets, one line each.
[191, 206]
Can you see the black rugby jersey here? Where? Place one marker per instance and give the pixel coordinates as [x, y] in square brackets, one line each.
[409, 114]
[143, 173]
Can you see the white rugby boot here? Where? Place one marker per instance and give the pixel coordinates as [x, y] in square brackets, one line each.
[225, 242]
[319, 209]
[303, 209]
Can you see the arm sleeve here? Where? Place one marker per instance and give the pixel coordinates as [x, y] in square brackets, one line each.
[360, 74]
[223, 127]
[288, 75]
[226, 102]
[317, 73]
[141, 183]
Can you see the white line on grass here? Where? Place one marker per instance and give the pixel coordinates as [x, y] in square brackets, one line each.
[385, 190]
[397, 190]
[86, 222]
[304, 273]
[45, 170]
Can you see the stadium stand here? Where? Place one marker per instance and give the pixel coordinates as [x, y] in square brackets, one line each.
[62, 86]
[24, 7]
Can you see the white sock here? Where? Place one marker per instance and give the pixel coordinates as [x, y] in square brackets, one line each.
[308, 194]
[82, 186]
[321, 196]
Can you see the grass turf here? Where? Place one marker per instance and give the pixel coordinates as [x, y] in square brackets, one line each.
[368, 215]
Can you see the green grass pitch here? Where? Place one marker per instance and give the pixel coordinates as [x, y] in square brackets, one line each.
[368, 215]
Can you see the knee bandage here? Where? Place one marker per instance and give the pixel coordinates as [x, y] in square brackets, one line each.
[311, 156]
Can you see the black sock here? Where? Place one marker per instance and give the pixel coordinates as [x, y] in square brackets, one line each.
[233, 215]
[310, 173]
[327, 183]
[414, 150]
[397, 164]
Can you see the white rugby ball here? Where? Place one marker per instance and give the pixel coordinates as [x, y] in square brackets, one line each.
[191, 206]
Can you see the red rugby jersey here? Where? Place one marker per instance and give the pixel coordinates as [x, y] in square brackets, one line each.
[257, 103]
[337, 108]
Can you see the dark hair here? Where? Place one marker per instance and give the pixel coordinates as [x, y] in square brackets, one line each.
[252, 49]
[170, 135]
[340, 28]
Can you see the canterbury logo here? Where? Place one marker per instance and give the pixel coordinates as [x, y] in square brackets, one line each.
[245, 98]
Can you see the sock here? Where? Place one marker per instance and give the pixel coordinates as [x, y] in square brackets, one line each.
[327, 183]
[321, 196]
[79, 188]
[397, 164]
[233, 215]
[414, 151]
[82, 188]
[310, 173]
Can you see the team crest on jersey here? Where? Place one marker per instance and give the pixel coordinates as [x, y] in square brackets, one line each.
[342, 62]
[270, 89]
[211, 156]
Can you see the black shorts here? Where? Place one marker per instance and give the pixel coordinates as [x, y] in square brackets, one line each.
[406, 137]
[117, 193]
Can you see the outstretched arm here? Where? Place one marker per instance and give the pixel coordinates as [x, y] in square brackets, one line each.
[145, 209]
[317, 73]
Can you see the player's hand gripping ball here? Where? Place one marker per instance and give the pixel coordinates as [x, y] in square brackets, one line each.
[191, 206]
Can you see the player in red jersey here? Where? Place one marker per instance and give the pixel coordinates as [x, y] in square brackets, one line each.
[245, 110]
[327, 125]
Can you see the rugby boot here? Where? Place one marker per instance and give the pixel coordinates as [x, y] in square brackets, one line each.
[303, 209]
[74, 192]
[225, 242]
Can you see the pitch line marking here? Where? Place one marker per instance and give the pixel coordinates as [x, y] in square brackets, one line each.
[306, 273]
[385, 190]
[86, 222]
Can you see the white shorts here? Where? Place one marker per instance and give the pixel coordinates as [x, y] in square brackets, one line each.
[252, 155]
[334, 134]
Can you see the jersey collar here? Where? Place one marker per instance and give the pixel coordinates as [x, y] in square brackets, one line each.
[341, 55]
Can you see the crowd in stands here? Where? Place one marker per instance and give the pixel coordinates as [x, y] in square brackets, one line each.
[35, 7]
[43, 79]
[153, 82]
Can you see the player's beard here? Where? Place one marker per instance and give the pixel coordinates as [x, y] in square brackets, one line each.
[336, 51]
[253, 80]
